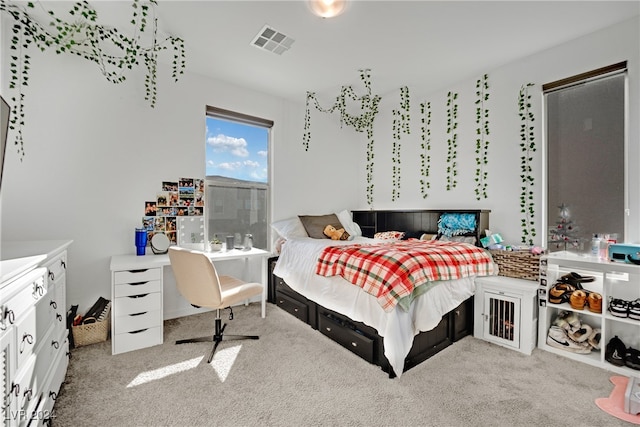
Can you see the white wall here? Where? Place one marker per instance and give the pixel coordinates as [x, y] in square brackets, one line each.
[95, 152]
[606, 47]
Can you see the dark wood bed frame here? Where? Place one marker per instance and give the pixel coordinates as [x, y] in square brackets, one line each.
[362, 339]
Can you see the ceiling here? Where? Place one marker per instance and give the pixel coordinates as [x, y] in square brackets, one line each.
[428, 44]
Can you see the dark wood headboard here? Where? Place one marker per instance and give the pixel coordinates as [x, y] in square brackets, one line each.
[374, 221]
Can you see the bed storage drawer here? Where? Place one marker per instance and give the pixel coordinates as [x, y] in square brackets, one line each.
[293, 306]
[294, 303]
[347, 335]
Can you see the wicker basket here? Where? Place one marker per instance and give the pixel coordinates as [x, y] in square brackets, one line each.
[92, 333]
[518, 264]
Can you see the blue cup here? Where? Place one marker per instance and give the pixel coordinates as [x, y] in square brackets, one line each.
[141, 241]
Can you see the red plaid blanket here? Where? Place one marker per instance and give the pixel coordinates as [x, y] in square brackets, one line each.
[391, 271]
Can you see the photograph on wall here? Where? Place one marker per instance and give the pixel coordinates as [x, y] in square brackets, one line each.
[150, 208]
[170, 224]
[173, 239]
[158, 224]
[199, 198]
[186, 199]
[148, 222]
[174, 198]
[167, 211]
[182, 211]
[162, 199]
[198, 184]
[195, 211]
[185, 185]
[169, 186]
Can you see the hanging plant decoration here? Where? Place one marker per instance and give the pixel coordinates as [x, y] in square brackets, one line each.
[401, 124]
[482, 132]
[425, 146]
[113, 51]
[362, 122]
[528, 147]
[452, 141]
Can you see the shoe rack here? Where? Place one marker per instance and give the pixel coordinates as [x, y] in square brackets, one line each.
[612, 280]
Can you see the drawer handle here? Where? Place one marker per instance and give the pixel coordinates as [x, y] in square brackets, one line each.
[63, 264]
[328, 329]
[138, 296]
[28, 394]
[139, 314]
[59, 317]
[53, 304]
[55, 344]
[38, 291]
[28, 338]
[142, 270]
[295, 309]
[15, 389]
[52, 275]
[53, 395]
[138, 283]
[355, 344]
[138, 331]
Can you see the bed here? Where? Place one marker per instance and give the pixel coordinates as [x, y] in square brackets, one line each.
[397, 332]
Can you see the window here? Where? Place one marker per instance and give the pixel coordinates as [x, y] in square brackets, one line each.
[237, 176]
[585, 121]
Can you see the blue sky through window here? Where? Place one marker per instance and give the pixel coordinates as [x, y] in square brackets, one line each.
[236, 150]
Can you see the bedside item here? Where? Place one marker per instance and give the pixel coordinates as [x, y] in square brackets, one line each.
[159, 244]
[248, 241]
[625, 252]
[230, 242]
[141, 241]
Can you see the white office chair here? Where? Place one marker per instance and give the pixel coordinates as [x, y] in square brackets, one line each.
[198, 281]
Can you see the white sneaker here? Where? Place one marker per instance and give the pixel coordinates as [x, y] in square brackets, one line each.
[567, 320]
[558, 338]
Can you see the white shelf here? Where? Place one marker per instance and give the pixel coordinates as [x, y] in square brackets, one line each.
[613, 280]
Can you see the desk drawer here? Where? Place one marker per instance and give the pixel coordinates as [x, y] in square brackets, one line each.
[135, 276]
[134, 340]
[137, 288]
[134, 322]
[137, 304]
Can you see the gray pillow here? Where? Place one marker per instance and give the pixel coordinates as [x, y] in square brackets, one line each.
[315, 224]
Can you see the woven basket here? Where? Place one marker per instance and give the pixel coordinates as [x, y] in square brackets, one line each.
[518, 264]
[92, 333]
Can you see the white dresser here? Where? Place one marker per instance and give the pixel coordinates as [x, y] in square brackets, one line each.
[34, 346]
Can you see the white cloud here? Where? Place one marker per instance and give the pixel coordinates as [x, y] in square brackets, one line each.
[230, 166]
[236, 146]
[263, 153]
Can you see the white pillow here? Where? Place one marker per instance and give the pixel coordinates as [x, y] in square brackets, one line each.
[290, 227]
[347, 222]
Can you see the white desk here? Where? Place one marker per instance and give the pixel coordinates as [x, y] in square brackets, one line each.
[136, 319]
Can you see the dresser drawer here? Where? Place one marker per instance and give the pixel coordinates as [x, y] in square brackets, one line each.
[293, 306]
[137, 304]
[137, 288]
[26, 338]
[134, 322]
[56, 267]
[135, 276]
[136, 339]
[349, 338]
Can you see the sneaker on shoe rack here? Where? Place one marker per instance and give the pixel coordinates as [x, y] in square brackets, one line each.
[594, 338]
[558, 338]
[615, 351]
[582, 334]
[619, 307]
[634, 309]
[567, 320]
[632, 358]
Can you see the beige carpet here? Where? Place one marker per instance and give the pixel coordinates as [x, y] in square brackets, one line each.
[294, 376]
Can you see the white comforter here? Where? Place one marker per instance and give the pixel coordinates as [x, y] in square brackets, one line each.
[297, 264]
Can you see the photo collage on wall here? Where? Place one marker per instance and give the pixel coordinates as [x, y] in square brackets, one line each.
[184, 197]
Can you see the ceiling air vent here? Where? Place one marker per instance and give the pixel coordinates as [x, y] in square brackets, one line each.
[272, 40]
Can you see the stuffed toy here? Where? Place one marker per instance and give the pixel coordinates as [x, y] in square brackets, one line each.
[336, 233]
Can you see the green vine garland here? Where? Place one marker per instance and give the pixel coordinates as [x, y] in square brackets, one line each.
[401, 124]
[84, 37]
[425, 145]
[362, 122]
[528, 147]
[452, 141]
[482, 143]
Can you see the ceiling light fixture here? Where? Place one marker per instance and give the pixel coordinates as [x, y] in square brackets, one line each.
[327, 8]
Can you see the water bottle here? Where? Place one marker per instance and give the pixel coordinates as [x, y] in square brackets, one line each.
[595, 245]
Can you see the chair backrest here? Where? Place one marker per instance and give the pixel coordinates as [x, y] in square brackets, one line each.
[196, 277]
